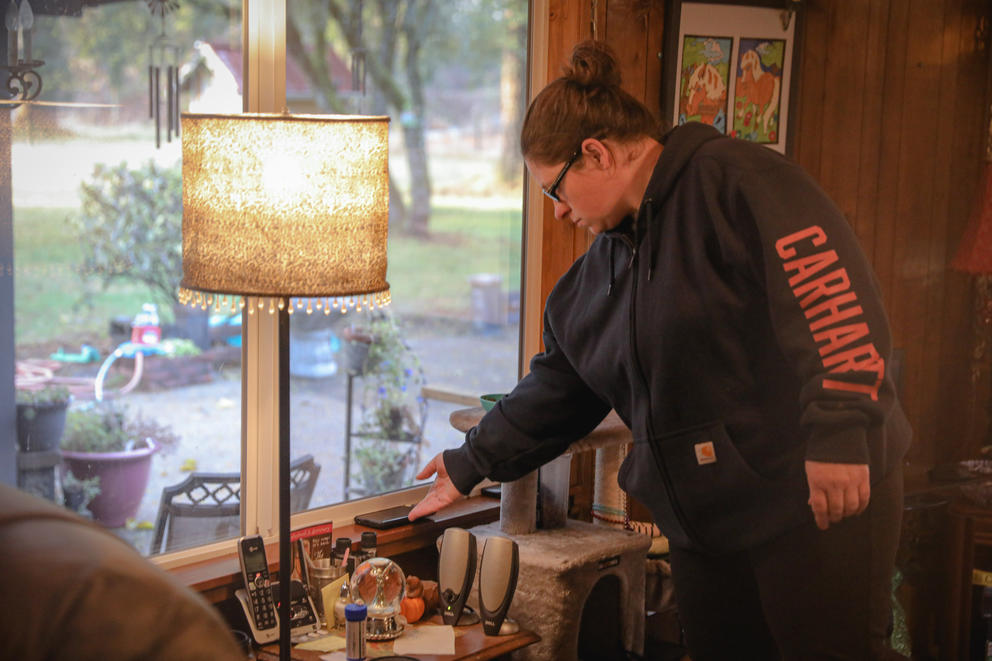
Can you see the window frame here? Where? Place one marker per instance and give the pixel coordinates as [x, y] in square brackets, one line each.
[264, 48]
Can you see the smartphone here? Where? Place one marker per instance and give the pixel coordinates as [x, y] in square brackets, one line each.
[387, 518]
[256, 598]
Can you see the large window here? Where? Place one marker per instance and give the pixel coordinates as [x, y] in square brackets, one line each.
[372, 392]
[96, 212]
[96, 191]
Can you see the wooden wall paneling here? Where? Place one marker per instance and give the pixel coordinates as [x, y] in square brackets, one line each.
[842, 114]
[568, 23]
[915, 231]
[652, 60]
[887, 221]
[626, 33]
[887, 181]
[942, 315]
[811, 91]
[963, 404]
[874, 115]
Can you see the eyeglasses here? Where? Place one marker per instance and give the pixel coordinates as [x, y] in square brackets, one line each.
[552, 190]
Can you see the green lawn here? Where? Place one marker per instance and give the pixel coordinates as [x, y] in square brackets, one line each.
[50, 300]
[56, 304]
[433, 275]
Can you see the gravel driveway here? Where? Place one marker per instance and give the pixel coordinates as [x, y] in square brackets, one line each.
[207, 416]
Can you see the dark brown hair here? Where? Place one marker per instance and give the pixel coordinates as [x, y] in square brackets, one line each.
[585, 102]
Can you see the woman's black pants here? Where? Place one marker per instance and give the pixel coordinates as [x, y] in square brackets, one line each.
[809, 594]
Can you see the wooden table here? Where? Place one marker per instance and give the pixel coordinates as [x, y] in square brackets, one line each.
[471, 644]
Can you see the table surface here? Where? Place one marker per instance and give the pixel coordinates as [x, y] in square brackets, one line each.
[471, 644]
[610, 432]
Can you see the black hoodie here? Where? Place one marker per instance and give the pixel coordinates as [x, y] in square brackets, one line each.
[735, 326]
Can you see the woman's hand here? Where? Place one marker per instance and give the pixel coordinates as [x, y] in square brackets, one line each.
[441, 494]
[837, 491]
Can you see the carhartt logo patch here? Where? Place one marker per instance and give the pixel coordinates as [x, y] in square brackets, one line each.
[705, 454]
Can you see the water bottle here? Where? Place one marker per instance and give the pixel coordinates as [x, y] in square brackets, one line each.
[146, 328]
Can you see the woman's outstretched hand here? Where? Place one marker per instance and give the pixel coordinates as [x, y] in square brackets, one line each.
[441, 494]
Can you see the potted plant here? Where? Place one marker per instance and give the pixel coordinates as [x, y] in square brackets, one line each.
[101, 441]
[393, 409]
[41, 417]
[77, 494]
[384, 466]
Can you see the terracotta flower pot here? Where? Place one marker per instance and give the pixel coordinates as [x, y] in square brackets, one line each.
[123, 479]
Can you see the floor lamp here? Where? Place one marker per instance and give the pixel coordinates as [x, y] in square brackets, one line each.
[283, 212]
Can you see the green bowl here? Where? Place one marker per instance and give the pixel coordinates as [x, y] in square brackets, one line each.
[489, 401]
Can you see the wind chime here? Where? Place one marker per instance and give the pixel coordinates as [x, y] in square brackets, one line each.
[163, 56]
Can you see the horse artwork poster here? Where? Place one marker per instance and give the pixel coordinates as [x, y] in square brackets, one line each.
[729, 64]
[757, 94]
[705, 80]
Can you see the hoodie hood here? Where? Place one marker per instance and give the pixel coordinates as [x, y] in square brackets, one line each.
[679, 144]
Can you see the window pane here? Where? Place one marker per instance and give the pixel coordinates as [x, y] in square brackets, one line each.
[97, 232]
[372, 391]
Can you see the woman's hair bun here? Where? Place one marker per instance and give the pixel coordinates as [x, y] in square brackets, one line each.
[593, 64]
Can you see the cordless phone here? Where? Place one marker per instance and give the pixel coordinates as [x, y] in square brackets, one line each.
[256, 598]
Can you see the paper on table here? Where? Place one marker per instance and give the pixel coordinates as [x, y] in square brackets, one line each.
[334, 656]
[324, 644]
[329, 594]
[426, 639]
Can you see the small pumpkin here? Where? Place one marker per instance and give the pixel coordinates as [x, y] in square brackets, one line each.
[412, 605]
[412, 608]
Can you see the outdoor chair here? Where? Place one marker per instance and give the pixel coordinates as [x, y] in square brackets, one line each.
[206, 507]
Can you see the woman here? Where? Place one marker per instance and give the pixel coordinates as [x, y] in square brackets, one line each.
[726, 312]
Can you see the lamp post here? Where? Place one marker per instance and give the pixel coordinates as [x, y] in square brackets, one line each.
[277, 207]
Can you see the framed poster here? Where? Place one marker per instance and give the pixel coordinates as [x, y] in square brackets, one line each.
[731, 65]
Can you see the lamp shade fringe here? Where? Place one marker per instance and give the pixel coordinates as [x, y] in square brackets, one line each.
[233, 303]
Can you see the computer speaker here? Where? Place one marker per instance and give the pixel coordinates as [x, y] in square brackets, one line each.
[455, 572]
[498, 571]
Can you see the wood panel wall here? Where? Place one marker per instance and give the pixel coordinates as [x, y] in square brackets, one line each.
[890, 112]
[889, 118]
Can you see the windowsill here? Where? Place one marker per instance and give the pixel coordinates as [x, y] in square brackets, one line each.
[217, 579]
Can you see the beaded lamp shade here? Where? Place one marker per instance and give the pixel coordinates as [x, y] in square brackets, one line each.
[282, 207]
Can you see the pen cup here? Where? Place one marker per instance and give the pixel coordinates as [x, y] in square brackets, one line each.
[323, 572]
